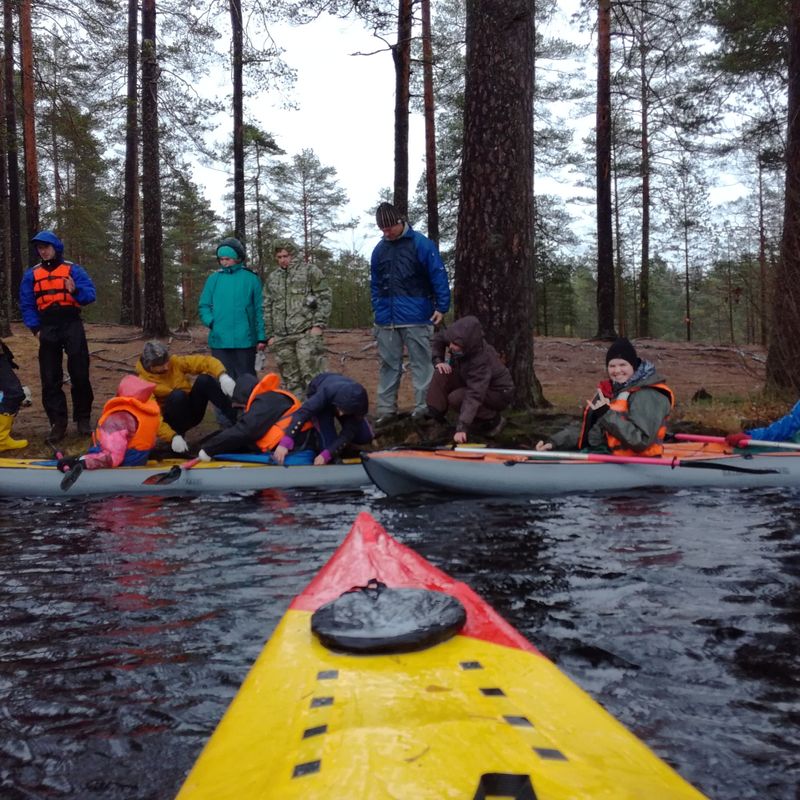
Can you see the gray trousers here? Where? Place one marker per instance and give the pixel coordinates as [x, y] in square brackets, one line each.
[391, 341]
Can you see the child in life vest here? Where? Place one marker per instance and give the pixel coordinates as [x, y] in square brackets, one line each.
[629, 411]
[126, 431]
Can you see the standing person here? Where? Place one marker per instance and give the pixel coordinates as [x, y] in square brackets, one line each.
[337, 406]
[51, 295]
[474, 382]
[12, 396]
[297, 306]
[183, 403]
[628, 414]
[410, 295]
[230, 307]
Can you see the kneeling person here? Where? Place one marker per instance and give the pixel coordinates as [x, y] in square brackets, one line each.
[126, 431]
[337, 406]
[183, 402]
[473, 381]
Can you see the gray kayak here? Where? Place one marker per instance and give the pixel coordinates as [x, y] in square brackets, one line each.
[401, 472]
[32, 478]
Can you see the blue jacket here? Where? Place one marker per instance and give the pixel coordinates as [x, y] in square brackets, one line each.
[408, 280]
[785, 429]
[84, 292]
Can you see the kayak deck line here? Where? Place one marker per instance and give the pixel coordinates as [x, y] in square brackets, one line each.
[483, 713]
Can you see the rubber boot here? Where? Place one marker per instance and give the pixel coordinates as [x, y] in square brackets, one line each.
[6, 442]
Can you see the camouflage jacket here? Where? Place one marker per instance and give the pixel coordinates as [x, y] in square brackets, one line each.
[295, 300]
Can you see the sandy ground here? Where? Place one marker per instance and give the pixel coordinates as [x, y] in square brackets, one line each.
[567, 368]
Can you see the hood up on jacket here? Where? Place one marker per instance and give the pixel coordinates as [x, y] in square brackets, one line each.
[351, 398]
[133, 386]
[467, 333]
[48, 237]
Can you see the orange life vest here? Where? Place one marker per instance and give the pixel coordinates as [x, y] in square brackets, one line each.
[148, 418]
[620, 405]
[271, 439]
[49, 287]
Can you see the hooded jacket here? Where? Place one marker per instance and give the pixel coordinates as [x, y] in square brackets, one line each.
[408, 280]
[330, 392]
[126, 430]
[230, 306]
[45, 281]
[479, 369]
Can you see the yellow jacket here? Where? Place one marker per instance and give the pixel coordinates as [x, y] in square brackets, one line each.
[179, 368]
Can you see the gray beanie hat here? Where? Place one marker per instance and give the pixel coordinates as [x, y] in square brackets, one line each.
[154, 354]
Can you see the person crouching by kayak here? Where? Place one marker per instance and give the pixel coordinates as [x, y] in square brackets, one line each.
[126, 431]
[183, 403]
[267, 413]
[332, 401]
[12, 395]
[473, 381]
[628, 413]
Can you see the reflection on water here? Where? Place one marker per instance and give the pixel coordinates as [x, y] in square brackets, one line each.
[128, 623]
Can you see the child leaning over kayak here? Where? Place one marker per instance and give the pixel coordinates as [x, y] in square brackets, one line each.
[628, 413]
[126, 431]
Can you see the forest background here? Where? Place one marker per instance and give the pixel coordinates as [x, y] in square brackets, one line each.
[103, 125]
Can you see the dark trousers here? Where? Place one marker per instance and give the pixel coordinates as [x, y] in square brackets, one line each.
[183, 410]
[325, 424]
[238, 361]
[10, 387]
[446, 392]
[55, 339]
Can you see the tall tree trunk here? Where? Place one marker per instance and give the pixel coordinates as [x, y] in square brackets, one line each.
[605, 239]
[238, 122]
[29, 127]
[431, 182]
[494, 248]
[14, 222]
[620, 261]
[127, 269]
[155, 321]
[5, 230]
[687, 282]
[763, 311]
[401, 53]
[644, 274]
[783, 357]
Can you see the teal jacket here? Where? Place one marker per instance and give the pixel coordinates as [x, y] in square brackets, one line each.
[230, 307]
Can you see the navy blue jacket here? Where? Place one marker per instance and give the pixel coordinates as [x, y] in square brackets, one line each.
[408, 280]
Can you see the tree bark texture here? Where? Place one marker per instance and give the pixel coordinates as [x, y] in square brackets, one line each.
[644, 274]
[605, 239]
[238, 122]
[494, 249]
[401, 53]
[127, 270]
[783, 357]
[155, 321]
[5, 232]
[431, 187]
[10, 132]
[29, 127]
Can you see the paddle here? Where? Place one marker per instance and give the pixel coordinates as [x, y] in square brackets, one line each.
[604, 458]
[175, 472]
[691, 437]
[72, 475]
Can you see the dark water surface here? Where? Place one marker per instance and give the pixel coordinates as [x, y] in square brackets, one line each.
[128, 623]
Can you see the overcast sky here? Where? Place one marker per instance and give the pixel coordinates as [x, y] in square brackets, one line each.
[345, 115]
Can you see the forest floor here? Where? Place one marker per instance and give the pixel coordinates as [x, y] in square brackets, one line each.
[732, 377]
